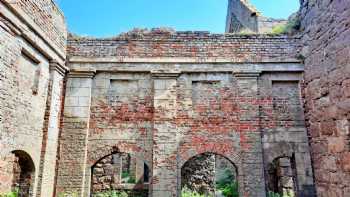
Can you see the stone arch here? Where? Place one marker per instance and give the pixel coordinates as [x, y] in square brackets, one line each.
[186, 153]
[23, 173]
[280, 149]
[121, 172]
[96, 153]
[193, 164]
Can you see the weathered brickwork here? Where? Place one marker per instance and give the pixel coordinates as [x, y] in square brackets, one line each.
[166, 114]
[48, 17]
[135, 109]
[325, 31]
[184, 46]
[284, 132]
[27, 68]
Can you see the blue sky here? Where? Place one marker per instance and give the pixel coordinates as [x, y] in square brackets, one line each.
[103, 18]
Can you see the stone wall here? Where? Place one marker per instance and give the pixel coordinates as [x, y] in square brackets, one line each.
[325, 30]
[244, 18]
[283, 125]
[28, 64]
[241, 17]
[168, 96]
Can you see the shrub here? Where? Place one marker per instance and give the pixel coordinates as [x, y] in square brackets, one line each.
[279, 29]
[11, 194]
[185, 192]
[273, 194]
[125, 174]
[229, 189]
[290, 27]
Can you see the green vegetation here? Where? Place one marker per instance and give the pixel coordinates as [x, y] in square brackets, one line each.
[279, 29]
[230, 190]
[226, 186]
[11, 194]
[111, 194]
[290, 27]
[273, 194]
[188, 193]
[125, 174]
[127, 178]
[131, 180]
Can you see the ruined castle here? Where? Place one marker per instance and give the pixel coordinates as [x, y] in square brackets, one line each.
[150, 112]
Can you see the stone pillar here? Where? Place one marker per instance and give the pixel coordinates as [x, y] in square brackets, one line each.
[72, 174]
[51, 130]
[250, 135]
[164, 180]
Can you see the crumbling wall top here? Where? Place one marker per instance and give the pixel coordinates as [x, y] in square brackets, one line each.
[167, 43]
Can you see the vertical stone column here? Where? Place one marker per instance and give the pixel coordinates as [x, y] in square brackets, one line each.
[164, 180]
[51, 130]
[250, 134]
[73, 147]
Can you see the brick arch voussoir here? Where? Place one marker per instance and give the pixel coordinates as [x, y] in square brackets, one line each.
[185, 154]
[95, 154]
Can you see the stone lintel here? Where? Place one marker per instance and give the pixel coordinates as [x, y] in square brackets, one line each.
[246, 74]
[82, 73]
[55, 66]
[165, 74]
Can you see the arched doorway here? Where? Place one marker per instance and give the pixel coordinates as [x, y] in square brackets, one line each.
[120, 174]
[282, 177]
[23, 174]
[209, 174]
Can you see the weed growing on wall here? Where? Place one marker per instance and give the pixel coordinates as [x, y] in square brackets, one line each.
[291, 26]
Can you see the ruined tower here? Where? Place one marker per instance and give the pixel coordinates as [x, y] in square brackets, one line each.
[242, 17]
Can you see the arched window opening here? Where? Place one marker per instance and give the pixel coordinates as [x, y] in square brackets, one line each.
[211, 175]
[120, 174]
[282, 177]
[23, 174]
